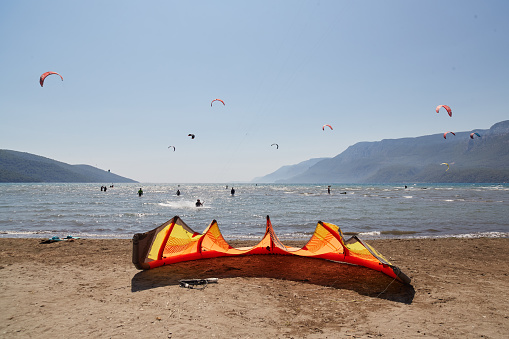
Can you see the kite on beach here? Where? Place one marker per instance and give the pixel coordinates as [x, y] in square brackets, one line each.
[447, 108]
[174, 242]
[44, 75]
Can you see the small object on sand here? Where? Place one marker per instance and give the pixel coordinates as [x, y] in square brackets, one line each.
[51, 240]
[191, 283]
[55, 239]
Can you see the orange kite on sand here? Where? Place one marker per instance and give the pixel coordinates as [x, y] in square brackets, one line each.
[174, 242]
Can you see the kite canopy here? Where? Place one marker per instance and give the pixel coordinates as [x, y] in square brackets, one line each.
[447, 108]
[445, 134]
[174, 242]
[44, 75]
[323, 127]
[217, 100]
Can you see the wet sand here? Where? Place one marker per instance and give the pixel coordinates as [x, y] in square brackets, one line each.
[90, 288]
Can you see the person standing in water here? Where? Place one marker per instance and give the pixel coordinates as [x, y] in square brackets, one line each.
[199, 203]
[178, 193]
[232, 191]
[140, 192]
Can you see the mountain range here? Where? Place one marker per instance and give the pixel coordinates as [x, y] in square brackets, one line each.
[25, 167]
[426, 159]
[405, 160]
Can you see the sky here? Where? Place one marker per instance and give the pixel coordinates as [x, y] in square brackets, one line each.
[139, 76]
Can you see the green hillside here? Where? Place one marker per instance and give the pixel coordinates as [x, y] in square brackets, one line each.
[25, 167]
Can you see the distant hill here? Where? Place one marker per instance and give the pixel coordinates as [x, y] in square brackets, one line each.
[25, 167]
[288, 171]
[484, 159]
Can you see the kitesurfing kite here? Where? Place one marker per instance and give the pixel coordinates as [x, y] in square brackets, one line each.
[191, 135]
[174, 242]
[444, 163]
[447, 108]
[44, 75]
[323, 127]
[277, 146]
[171, 147]
[445, 134]
[217, 100]
[475, 133]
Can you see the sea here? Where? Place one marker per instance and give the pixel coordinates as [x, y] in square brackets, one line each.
[45, 210]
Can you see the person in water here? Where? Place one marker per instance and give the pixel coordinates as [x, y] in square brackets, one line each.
[140, 192]
[199, 203]
[178, 193]
[232, 191]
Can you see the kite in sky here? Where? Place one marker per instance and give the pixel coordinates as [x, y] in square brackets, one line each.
[277, 146]
[323, 127]
[445, 134]
[171, 147]
[44, 75]
[444, 163]
[447, 108]
[191, 135]
[475, 133]
[217, 100]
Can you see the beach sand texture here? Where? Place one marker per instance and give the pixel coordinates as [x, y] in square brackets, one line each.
[89, 288]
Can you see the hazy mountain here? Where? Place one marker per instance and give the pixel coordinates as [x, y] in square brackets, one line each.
[288, 171]
[484, 159]
[25, 167]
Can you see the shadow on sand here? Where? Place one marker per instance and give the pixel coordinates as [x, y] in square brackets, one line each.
[307, 270]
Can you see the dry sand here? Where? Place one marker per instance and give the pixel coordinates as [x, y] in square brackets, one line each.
[90, 289]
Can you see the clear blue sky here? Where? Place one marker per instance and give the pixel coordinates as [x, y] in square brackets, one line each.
[139, 76]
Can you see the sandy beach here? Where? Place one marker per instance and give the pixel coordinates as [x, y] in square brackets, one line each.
[89, 288]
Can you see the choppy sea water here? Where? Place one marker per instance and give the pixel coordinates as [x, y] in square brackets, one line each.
[372, 211]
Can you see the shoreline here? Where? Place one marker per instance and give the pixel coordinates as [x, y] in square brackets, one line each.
[369, 236]
[90, 288]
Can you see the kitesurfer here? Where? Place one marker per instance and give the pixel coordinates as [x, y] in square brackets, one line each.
[232, 191]
[199, 203]
[140, 192]
[328, 189]
[178, 193]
